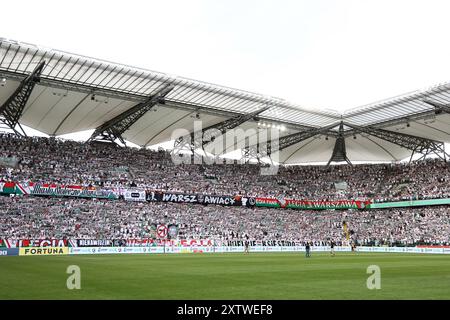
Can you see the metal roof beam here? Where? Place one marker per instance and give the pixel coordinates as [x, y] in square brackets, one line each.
[416, 144]
[170, 102]
[289, 140]
[12, 109]
[195, 140]
[224, 126]
[271, 146]
[404, 120]
[114, 128]
[439, 107]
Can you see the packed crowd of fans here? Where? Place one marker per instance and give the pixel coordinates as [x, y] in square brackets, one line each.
[46, 218]
[49, 160]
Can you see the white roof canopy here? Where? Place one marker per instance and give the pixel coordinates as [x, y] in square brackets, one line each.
[77, 93]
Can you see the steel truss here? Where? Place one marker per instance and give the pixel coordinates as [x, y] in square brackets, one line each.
[250, 153]
[339, 150]
[198, 140]
[416, 144]
[272, 146]
[12, 109]
[295, 138]
[267, 148]
[113, 129]
[439, 107]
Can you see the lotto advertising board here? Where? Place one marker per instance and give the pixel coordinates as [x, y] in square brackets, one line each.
[404, 250]
[115, 250]
[199, 247]
[9, 252]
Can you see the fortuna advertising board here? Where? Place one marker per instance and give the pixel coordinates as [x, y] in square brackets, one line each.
[44, 251]
[210, 249]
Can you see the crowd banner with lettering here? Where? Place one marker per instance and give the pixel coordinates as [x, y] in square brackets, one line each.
[340, 204]
[23, 243]
[99, 243]
[261, 243]
[171, 242]
[38, 189]
[155, 196]
[310, 204]
[71, 191]
[134, 195]
[74, 243]
[269, 203]
[221, 200]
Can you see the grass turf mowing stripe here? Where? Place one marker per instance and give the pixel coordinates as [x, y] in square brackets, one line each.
[227, 276]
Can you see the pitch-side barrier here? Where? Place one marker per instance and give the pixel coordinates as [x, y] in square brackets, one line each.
[39, 251]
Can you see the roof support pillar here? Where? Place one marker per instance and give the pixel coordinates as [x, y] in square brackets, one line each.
[339, 150]
[250, 154]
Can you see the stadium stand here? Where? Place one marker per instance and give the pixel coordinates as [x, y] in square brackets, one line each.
[44, 160]
[56, 218]
[54, 188]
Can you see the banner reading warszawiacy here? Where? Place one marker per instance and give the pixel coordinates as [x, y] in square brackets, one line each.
[155, 196]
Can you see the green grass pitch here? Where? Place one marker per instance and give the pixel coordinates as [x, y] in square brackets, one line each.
[227, 276]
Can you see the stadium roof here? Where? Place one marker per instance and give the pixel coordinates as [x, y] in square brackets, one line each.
[77, 93]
